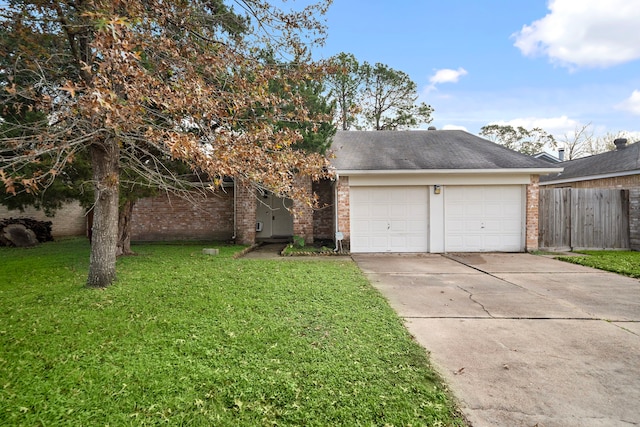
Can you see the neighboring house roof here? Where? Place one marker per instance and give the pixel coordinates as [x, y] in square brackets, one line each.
[624, 160]
[549, 158]
[443, 150]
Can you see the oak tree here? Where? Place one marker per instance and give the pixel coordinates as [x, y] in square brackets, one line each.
[134, 84]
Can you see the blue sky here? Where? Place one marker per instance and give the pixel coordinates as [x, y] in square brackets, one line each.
[557, 64]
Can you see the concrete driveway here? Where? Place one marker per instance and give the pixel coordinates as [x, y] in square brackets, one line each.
[522, 340]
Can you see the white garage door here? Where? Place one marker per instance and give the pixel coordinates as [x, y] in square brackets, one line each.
[484, 218]
[389, 219]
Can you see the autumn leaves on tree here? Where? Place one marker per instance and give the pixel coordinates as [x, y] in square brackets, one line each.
[134, 85]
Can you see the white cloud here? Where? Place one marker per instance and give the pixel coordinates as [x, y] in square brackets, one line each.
[454, 127]
[632, 104]
[556, 126]
[590, 33]
[447, 75]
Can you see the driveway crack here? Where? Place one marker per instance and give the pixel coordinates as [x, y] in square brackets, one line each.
[475, 301]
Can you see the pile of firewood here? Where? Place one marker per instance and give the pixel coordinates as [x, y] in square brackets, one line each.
[24, 232]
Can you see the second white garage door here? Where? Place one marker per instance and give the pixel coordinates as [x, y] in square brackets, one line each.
[484, 218]
[389, 219]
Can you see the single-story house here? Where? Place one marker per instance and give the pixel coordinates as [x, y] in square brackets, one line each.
[394, 191]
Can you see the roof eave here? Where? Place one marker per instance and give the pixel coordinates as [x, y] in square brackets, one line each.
[591, 177]
[530, 171]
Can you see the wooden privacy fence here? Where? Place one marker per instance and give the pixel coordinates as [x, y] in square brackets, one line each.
[583, 218]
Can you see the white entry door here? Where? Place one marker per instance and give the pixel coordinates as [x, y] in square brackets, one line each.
[484, 218]
[389, 219]
[273, 217]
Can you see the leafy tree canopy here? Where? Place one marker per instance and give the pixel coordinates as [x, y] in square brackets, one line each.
[389, 99]
[374, 97]
[582, 142]
[527, 141]
[134, 84]
[345, 85]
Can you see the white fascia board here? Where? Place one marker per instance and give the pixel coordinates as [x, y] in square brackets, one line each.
[591, 177]
[532, 171]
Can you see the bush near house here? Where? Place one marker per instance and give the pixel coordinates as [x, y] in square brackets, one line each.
[184, 338]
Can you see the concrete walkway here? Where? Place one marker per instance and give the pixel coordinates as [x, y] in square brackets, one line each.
[266, 251]
[522, 340]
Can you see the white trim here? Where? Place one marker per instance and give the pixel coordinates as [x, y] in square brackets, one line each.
[531, 171]
[438, 179]
[591, 177]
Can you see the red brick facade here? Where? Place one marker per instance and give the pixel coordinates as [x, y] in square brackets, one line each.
[616, 182]
[344, 208]
[245, 213]
[533, 197]
[168, 217]
[303, 214]
[323, 223]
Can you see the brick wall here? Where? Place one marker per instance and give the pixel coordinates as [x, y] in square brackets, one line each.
[634, 218]
[533, 196]
[618, 182]
[323, 223]
[303, 213]
[245, 213]
[344, 207]
[168, 217]
[69, 220]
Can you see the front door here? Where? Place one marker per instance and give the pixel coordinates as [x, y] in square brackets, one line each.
[273, 217]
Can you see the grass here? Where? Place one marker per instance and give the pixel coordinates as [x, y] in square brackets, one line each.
[621, 262]
[189, 339]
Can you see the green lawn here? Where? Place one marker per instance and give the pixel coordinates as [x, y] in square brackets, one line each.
[189, 339]
[621, 262]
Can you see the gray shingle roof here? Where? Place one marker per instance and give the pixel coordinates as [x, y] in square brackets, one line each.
[612, 162]
[429, 149]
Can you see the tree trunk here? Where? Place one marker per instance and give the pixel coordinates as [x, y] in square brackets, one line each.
[124, 229]
[104, 233]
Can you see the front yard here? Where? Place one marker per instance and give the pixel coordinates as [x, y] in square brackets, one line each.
[189, 339]
[622, 262]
